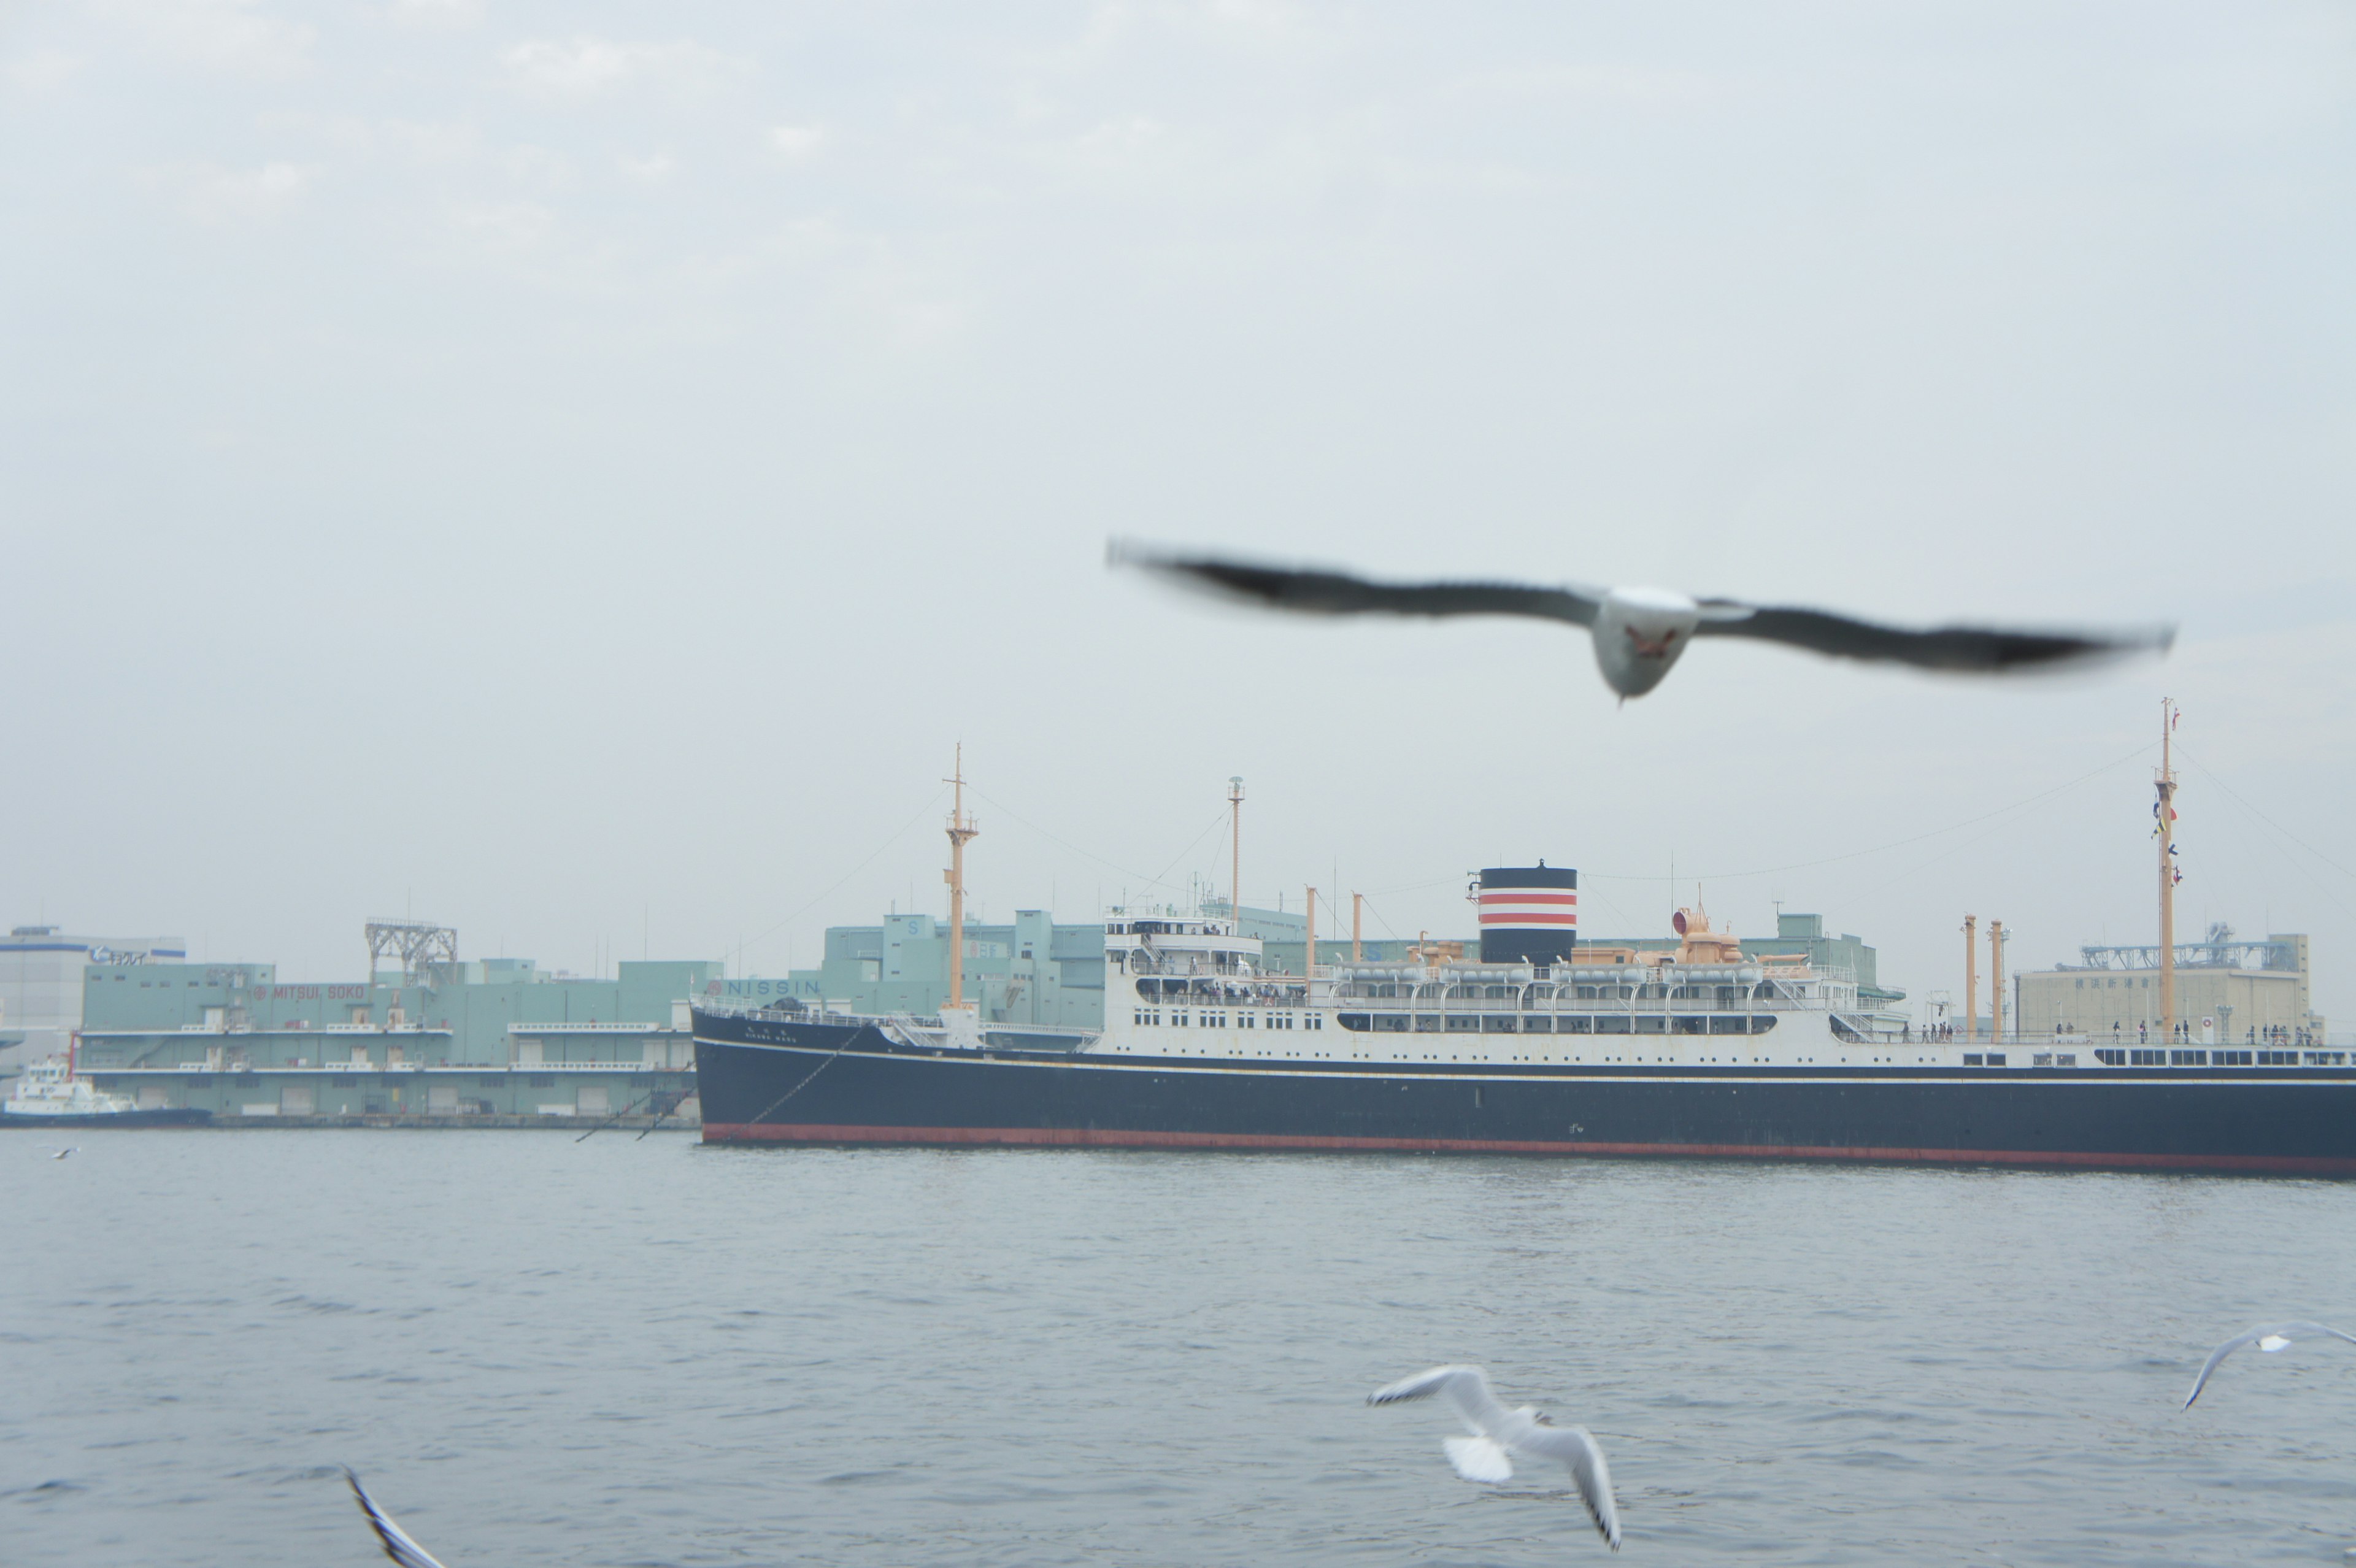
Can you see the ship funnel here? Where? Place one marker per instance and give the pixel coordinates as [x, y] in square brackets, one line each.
[1529, 914]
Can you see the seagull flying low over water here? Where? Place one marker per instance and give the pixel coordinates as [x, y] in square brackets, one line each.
[1639, 633]
[57, 1153]
[1498, 1432]
[397, 1543]
[2270, 1338]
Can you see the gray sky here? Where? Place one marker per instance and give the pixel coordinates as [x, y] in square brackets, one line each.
[575, 471]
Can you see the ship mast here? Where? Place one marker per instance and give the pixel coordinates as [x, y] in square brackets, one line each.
[961, 829]
[1996, 982]
[1971, 977]
[2165, 812]
[1235, 853]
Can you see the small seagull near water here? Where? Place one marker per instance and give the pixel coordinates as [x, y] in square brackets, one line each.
[1498, 1432]
[2273, 1337]
[397, 1543]
[57, 1153]
[1639, 633]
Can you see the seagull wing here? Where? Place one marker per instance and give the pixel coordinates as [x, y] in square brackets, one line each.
[397, 1544]
[1338, 593]
[1478, 1459]
[1576, 1447]
[1985, 649]
[1466, 1388]
[2300, 1330]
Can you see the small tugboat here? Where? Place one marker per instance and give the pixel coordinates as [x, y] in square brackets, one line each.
[48, 1094]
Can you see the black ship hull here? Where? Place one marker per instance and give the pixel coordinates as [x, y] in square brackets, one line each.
[767, 1080]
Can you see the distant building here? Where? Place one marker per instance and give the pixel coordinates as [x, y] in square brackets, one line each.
[40, 979]
[2241, 985]
[1034, 971]
[493, 1037]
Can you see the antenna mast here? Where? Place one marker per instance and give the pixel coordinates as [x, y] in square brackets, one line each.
[2166, 811]
[1235, 853]
[961, 829]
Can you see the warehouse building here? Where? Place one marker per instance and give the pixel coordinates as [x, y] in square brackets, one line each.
[485, 1039]
[2230, 990]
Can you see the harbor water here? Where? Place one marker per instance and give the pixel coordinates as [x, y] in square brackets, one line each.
[646, 1351]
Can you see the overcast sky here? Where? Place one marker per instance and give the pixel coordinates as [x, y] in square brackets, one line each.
[575, 472]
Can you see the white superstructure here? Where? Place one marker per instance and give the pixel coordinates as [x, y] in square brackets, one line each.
[1190, 986]
[49, 1088]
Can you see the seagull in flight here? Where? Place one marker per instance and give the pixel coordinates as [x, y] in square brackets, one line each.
[1640, 633]
[1498, 1432]
[397, 1543]
[2271, 1339]
[57, 1153]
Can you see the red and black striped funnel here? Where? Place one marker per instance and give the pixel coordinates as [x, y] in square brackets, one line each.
[1529, 914]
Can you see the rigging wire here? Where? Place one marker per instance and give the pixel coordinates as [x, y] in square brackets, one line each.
[997, 804]
[2261, 816]
[1896, 843]
[2316, 881]
[897, 834]
[1216, 823]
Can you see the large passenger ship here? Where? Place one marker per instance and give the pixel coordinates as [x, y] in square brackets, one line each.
[1537, 1047]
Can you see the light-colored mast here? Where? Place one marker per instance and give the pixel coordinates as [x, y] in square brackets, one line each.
[1995, 981]
[1309, 950]
[2167, 814]
[1357, 917]
[1235, 853]
[961, 829]
[1971, 977]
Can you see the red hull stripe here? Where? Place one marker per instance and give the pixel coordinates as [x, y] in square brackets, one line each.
[1110, 1137]
[1525, 917]
[1529, 898]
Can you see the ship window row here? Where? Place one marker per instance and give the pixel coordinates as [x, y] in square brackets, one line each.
[1569, 1023]
[1150, 1018]
[2158, 1058]
[1542, 996]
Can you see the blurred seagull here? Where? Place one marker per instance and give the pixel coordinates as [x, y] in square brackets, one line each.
[397, 1544]
[1496, 1432]
[1639, 633]
[2276, 1337]
[56, 1153]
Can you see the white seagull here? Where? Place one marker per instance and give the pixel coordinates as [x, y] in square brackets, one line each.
[1639, 633]
[1497, 1432]
[57, 1153]
[2270, 1338]
[397, 1543]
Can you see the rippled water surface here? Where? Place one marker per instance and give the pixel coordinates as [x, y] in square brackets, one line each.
[636, 1352]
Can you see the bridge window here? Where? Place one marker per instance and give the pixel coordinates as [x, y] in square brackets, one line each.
[2188, 1058]
[2148, 1058]
[2111, 1058]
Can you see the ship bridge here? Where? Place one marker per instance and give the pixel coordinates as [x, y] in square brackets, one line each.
[1179, 946]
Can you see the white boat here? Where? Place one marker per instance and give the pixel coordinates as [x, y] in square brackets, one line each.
[49, 1094]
